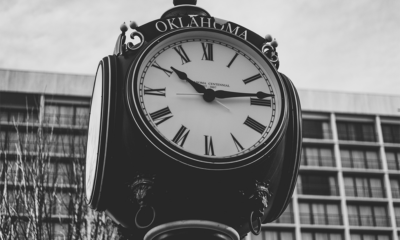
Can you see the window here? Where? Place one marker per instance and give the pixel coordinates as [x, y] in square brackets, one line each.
[9, 140]
[287, 215]
[393, 160]
[321, 236]
[56, 114]
[64, 172]
[18, 115]
[317, 156]
[320, 213]
[14, 198]
[369, 236]
[64, 114]
[391, 133]
[364, 187]
[63, 203]
[67, 144]
[397, 214]
[395, 187]
[360, 158]
[317, 184]
[274, 235]
[319, 129]
[60, 231]
[3, 140]
[21, 227]
[13, 173]
[18, 108]
[59, 203]
[367, 215]
[356, 131]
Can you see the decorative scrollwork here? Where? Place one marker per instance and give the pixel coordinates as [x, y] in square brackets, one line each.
[131, 45]
[269, 50]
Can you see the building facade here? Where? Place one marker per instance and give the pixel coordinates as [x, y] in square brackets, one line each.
[349, 181]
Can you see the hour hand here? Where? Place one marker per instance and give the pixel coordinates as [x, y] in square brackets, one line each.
[227, 94]
[198, 87]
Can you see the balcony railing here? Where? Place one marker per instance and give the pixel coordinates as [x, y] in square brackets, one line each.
[364, 220]
[321, 219]
[372, 192]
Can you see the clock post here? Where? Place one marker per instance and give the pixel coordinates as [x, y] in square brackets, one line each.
[193, 131]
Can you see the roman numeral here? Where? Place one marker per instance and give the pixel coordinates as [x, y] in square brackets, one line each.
[233, 59]
[207, 51]
[252, 78]
[155, 91]
[182, 54]
[253, 124]
[237, 144]
[161, 116]
[209, 146]
[181, 136]
[260, 102]
[166, 71]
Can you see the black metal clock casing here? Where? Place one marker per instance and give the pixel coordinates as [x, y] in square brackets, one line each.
[193, 122]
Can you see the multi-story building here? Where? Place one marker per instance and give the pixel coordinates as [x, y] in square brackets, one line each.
[43, 129]
[349, 181]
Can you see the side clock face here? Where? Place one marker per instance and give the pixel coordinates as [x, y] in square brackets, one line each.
[92, 150]
[207, 99]
[101, 127]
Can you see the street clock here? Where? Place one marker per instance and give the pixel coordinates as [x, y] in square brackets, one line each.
[193, 130]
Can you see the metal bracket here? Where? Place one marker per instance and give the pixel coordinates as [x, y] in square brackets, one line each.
[257, 202]
[142, 190]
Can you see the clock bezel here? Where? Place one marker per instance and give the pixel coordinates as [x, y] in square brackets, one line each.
[179, 154]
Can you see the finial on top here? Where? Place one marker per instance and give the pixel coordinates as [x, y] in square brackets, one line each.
[133, 25]
[183, 2]
[268, 38]
[123, 28]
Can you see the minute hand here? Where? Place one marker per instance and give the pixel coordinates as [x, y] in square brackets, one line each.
[226, 94]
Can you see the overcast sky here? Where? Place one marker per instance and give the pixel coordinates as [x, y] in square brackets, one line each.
[339, 45]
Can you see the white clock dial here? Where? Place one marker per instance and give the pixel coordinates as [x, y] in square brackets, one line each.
[211, 97]
[92, 150]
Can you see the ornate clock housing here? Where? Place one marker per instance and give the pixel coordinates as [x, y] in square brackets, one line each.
[195, 114]
[207, 99]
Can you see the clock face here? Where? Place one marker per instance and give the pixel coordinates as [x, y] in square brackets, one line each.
[207, 99]
[92, 150]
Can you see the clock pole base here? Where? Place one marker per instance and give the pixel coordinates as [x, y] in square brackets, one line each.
[192, 229]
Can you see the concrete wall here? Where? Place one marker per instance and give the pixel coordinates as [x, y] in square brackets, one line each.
[47, 83]
[355, 103]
